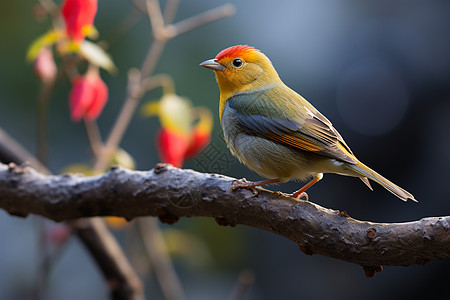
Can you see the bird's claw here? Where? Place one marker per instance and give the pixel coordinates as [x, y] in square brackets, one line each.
[243, 184]
[299, 195]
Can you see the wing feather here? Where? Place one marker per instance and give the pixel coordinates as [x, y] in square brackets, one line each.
[303, 127]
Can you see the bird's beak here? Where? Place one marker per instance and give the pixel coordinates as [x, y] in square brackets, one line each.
[212, 64]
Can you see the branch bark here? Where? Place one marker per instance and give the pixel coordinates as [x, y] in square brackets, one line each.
[170, 193]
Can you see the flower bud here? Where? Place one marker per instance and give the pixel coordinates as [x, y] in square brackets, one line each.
[45, 66]
[78, 17]
[88, 96]
[172, 146]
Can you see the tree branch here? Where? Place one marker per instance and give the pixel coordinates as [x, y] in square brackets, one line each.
[156, 249]
[93, 233]
[12, 151]
[123, 282]
[171, 193]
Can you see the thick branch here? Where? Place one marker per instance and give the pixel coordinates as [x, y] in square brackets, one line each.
[171, 193]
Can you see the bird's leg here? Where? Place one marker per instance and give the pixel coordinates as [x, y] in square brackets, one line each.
[244, 184]
[302, 192]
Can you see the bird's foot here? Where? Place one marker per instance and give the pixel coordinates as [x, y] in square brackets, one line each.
[299, 195]
[244, 184]
[301, 192]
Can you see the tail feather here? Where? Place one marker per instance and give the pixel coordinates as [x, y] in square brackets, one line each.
[366, 172]
[366, 182]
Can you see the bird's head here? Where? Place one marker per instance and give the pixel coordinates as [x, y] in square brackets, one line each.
[241, 68]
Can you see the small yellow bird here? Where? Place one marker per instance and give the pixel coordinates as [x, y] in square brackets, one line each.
[275, 131]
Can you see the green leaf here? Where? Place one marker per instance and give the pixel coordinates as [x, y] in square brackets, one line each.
[150, 109]
[45, 40]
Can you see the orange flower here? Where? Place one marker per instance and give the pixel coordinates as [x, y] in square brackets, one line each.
[79, 17]
[88, 96]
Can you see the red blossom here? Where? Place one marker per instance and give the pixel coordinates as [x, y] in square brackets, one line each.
[77, 15]
[200, 133]
[185, 132]
[88, 96]
[172, 146]
[199, 140]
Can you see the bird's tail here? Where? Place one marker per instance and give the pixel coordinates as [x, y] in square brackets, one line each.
[367, 172]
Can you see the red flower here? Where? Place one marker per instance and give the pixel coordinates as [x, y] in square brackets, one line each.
[45, 66]
[185, 132]
[172, 146]
[199, 141]
[78, 15]
[200, 133]
[88, 96]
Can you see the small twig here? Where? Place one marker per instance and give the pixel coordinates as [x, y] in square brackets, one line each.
[152, 58]
[170, 10]
[156, 249]
[93, 134]
[42, 116]
[11, 151]
[194, 22]
[160, 80]
[51, 8]
[122, 280]
[155, 16]
[69, 66]
[140, 6]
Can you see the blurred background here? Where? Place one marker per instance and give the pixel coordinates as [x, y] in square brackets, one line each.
[379, 70]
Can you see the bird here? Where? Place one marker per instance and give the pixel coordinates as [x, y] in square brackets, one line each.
[276, 132]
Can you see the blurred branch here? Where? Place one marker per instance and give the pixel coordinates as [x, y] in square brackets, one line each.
[123, 282]
[162, 33]
[41, 125]
[194, 22]
[94, 137]
[160, 80]
[155, 16]
[12, 151]
[51, 8]
[139, 5]
[170, 193]
[156, 249]
[170, 10]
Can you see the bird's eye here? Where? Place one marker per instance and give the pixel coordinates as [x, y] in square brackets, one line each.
[237, 62]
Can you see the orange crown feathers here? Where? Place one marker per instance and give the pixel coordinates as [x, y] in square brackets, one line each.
[235, 51]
